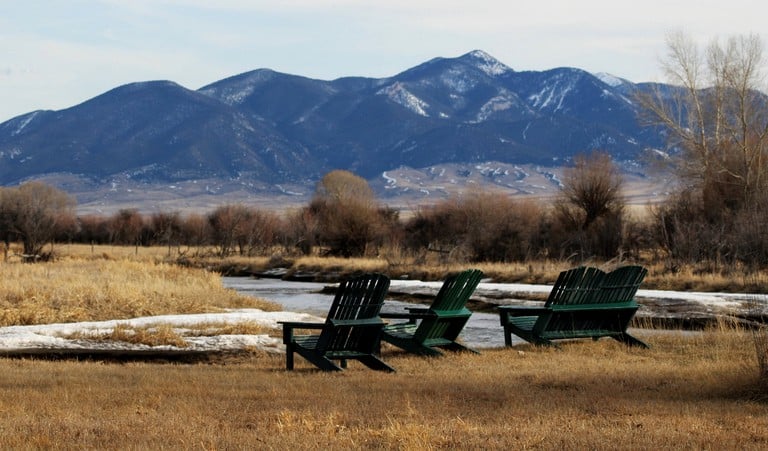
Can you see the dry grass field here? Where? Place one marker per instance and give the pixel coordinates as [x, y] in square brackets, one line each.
[689, 391]
[107, 287]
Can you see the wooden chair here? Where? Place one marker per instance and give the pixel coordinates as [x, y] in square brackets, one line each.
[352, 329]
[439, 325]
[584, 303]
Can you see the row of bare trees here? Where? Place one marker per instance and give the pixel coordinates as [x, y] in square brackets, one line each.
[343, 219]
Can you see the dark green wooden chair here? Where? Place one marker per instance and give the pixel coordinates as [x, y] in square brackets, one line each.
[439, 325]
[352, 329]
[584, 303]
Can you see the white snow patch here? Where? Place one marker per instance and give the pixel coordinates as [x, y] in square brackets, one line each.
[494, 105]
[391, 181]
[397, 93]
[12, 153]
[24, 123]
[489, 64]
[285, 191]
[54, 336]
[458, 81]
[608, 79]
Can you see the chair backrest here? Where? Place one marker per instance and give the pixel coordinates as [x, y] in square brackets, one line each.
[621, 285]
[456, 290]
[355, 307]
[587, 285]
[581, 314]
[450, 312]
[575, 286]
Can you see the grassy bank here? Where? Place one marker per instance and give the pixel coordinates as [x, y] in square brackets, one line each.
[102, 289]
[662, 275]
[688, 391]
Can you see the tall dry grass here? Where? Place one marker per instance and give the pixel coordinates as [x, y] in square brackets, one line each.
[692, 391]
[102, 289]
[396, 262]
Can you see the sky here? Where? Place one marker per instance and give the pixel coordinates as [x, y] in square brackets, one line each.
[55, 54]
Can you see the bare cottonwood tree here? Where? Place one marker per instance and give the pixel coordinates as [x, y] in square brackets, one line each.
[716, 114]
[343, 186]
[226, 224]
[589, 214]
[32, 213]
[125, 227]
[592, 188]
[347, 215]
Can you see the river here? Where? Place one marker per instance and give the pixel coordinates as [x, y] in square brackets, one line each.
[482, 331]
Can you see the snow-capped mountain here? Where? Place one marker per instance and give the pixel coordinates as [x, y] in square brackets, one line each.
[266, 130]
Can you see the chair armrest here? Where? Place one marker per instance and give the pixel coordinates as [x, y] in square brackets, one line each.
[509, 311]
[288, 327]
[301, 325]
[412, 316]
[395, 315]
[357, 322]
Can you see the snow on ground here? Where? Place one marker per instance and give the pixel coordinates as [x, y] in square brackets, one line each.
[506, 292]
[53, 337]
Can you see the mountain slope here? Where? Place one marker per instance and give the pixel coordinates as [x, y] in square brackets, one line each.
[264, 129]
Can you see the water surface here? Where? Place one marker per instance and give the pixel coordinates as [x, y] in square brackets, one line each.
[482, 331]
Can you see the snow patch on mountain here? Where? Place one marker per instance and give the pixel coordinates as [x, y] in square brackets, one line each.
[23, 122]
[458, 80]
[11, 153]
[397, 93]
[391, 181]
[553, 95]
[610, 80]
[236, 93]
[488, 64]
[494, 105]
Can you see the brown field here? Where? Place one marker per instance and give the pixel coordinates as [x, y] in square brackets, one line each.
[689, 391]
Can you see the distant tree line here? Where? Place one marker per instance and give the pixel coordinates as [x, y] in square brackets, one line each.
[342, 219]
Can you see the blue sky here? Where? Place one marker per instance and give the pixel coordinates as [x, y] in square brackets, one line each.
[58, 53]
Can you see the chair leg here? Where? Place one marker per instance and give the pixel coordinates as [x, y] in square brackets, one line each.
[289, 357]
[375, 363]
[456, 347]
[507, 336]
[629, 340]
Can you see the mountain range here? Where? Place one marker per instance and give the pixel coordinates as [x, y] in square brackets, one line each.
[269, 135]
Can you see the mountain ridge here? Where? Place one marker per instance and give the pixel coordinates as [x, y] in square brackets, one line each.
[263, 132]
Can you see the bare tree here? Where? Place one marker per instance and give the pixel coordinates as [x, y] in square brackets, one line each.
[343, 186]
[125, 227]
[166, 228]
[716, 114]
[592, 188]
[195, 230]
[32, 213]
[589, 215]
[226, 224]
[347, 214]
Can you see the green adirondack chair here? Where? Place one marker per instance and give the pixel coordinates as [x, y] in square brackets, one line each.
[584, 303]
[352, 329]
[439, 325]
